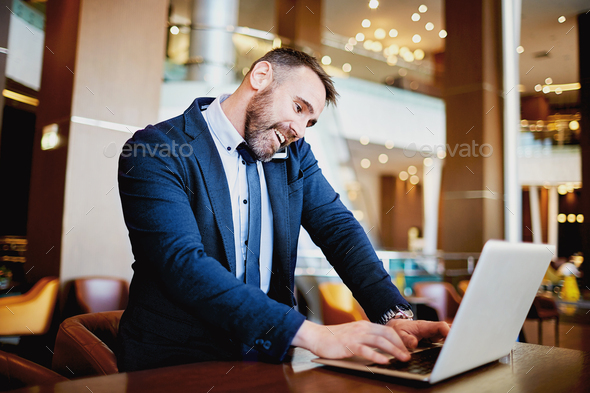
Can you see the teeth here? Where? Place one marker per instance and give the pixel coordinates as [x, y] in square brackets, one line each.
[281, 137]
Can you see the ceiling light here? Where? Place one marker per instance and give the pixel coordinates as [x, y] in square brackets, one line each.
[561, 19]
[360, 37]
[415, 17]
[441, 154]
[580, 218]
[429, 26]
[326, 60]
[383, 158]
[416, 38]
[402, 72]
[403, 176]
[366, 23]
[346, 67]
[519, 49]
[403, 50]
[419, 54]
[427, 161]
[561, 218]
[364, 140]
[391, 60]
[389, 144]
[393, 33]
[422, 9]
[408, 56]
[352, 41]
[558, 91]
[412, 170]
[442, 33]
[393, 49]
[538, 87]
[574, 125]
[562, 189]
[564, 87]
[365, 163]
[367, 44]
[373, 4]
[571, 218]
[548, 81]
[546, 89]
[174, 30]
[414, 180]
[380, 34]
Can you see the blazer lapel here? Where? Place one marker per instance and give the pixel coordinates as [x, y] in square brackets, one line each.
[275, 173]
[205, 152]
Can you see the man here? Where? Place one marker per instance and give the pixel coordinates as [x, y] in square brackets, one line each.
[214, 220]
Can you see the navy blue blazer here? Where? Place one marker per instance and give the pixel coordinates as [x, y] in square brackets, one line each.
[185, 302]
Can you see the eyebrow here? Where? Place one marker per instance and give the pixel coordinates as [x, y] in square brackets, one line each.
[307, 104]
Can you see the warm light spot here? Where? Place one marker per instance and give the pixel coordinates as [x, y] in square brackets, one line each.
[360, 37]
[365, 163]
[519, 49]
[393, 49]
[442, 33]
[416, 38]
[414, 180]
[389, 144]
[358, 214]
[571, 218]
[412, 170]
[561, 19]
[380, 34]
[538, 87]
[561, 218]
[366, 23]
[402, 72]
[562, 189]
[403, 176]
[392, 60]
[346, 67]
[376, 46]
[326, 60]
[548, 81]
[422, 9]
[393, 33]
[546, 89]
[574, 125]
[367, 44]
[174, 30]
[419, 54]
[408, 56]
[383, 158]
[415, 17]
[373, 4]
[352, 41]
[364, 140]
[441, 154]
[429, 26]
[580, 218]
[524, 123]
[427, 161]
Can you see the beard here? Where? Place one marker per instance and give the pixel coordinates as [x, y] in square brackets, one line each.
[259, 131]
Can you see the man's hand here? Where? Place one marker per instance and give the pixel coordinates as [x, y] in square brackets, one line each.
[348, 339]
[411, 332]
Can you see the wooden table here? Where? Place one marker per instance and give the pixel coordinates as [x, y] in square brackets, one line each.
[530, 368]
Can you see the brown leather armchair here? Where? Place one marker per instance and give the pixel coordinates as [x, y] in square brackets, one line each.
[98, 294]
[16, 372]
[445, 299]
[86, 345]
[338, 304]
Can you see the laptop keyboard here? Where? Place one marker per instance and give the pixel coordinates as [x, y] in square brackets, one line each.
[420, 363]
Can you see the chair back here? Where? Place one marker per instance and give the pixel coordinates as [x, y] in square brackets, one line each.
[16, 372]
[462, 287]
[445, 299]
[98, 294]
[86, 345]
[29, 313]
[338, 304]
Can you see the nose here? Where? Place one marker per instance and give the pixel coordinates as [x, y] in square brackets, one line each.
[298, 130]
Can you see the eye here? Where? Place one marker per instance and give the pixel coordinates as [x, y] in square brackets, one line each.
[298, 108]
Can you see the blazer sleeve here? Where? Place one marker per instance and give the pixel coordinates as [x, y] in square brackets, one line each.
[343, 241]
[164, 235]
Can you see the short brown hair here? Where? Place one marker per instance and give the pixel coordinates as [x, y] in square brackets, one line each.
[290, 58]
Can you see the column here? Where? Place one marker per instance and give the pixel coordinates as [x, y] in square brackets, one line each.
[584, 58]
[552, 212]
[472, 184]
[101, 79]
[535, 214]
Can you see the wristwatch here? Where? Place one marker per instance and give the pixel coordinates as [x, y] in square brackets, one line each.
[400, 311]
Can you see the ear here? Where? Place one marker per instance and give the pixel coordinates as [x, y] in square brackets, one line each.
[261, 75]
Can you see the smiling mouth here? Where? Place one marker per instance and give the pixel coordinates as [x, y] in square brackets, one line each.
[281, 137]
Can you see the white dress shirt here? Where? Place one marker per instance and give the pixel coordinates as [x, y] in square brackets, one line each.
[227, 139]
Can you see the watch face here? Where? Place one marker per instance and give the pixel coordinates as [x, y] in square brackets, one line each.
[406, 310]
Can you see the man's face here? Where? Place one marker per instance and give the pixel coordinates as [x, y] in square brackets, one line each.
[279, 114]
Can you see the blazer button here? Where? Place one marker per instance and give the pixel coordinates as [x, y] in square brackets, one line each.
[266, 345]
[259, 341]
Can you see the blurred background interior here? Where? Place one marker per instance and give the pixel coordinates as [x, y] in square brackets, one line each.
[458, 122]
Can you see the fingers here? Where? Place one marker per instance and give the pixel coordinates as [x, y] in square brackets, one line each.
[393, 347]
[433, 330]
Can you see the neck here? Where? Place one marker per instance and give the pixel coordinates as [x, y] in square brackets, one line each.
[234, 108]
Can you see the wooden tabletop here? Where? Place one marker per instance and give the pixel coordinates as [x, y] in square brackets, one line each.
[530, 368]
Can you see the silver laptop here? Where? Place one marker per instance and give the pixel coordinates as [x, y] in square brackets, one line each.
[491, 314]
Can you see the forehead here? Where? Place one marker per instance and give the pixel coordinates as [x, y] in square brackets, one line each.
[305, 83]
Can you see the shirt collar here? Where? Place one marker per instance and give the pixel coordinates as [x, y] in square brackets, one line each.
[221, 127]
